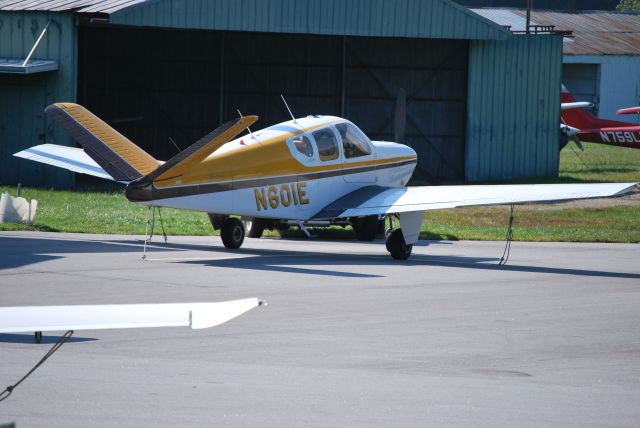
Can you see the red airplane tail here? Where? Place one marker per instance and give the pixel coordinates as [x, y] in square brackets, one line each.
[581, 119]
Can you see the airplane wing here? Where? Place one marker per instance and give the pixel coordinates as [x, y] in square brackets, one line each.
[71, 158]
[374, 200]
[95, 317]
[630, 110]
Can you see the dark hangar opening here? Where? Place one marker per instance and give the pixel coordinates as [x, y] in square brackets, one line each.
[156, 84]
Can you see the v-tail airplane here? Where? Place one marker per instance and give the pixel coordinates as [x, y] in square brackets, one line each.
[316, 170]
[580, 125]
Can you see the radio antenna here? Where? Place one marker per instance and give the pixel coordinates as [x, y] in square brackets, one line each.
[288, 109]
[248, 129]
[174, 144]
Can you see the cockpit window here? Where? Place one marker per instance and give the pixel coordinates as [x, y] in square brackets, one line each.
[327, 144]
[354, 142]
[303, 145]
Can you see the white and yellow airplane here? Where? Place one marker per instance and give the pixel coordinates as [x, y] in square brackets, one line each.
[312, 170]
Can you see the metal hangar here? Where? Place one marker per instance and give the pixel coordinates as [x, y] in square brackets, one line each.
[482, 101]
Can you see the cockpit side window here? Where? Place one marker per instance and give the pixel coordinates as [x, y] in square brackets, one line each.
[327, 144]
[303, 145]
[354, 142]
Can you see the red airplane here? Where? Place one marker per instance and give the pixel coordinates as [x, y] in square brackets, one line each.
[580, 125]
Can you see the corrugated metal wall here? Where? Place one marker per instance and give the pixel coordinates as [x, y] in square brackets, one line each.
[442, 19]
[23, 97]
[513, 108]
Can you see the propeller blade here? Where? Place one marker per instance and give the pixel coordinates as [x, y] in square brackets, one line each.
[400, 121]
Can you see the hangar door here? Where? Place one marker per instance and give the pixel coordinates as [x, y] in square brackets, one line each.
[358, 78]
[155, 86]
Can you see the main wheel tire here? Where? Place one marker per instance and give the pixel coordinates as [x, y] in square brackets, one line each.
[387, 234]
[365, 227]
[232, 233]
[254, 227]
[397, 247]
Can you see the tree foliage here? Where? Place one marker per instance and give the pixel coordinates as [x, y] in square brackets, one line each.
[633, 5]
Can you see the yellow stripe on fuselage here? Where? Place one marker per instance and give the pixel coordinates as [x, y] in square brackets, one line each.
[265, 159]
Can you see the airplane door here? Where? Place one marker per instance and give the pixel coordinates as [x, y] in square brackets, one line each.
[317, 189]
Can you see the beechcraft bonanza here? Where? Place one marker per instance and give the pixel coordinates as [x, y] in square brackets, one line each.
[306, 171]
[579, 125]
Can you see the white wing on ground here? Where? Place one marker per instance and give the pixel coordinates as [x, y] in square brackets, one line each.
[378, 200]
[71, 158]
[93, 317]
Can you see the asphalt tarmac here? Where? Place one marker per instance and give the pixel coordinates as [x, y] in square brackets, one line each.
[350, 338]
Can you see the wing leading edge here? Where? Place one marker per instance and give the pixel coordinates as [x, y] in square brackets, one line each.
[378, 200]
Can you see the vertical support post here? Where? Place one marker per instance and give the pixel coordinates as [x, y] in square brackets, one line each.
[343, 77]
[221, 83]
[528, 15]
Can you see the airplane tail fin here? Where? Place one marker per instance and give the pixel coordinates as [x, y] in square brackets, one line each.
[168, 173]
[116, 154]
[108, 154]
[581, 119]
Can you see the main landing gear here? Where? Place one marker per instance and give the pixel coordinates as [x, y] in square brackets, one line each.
[366, 227]
[395, 243]
[232, 233]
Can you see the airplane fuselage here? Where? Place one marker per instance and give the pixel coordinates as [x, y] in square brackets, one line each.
[625, 137]
[288, 171]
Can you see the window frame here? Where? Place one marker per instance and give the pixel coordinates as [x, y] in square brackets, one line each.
[301, 157]
[338, 140]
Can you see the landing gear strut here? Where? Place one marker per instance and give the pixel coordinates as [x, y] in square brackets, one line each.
[232, 233]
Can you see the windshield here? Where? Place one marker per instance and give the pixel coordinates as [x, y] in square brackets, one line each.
[354, 142]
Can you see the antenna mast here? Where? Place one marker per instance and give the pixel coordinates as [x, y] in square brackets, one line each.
[288, 109]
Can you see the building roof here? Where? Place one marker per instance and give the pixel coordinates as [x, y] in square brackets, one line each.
[564, 5]
[443, 19]
[81, 6]
[595, 32]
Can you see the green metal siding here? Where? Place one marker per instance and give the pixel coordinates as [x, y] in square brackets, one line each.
[442, 19]
[513, 109]
[23, 97]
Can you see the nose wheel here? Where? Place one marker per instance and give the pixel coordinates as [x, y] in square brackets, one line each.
[396, 246]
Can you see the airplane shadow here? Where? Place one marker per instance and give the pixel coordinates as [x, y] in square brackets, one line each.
[22, 251]
[16, 252]
[315, 263]
[46, 339]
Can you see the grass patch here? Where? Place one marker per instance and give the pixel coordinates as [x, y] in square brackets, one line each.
[110, 212]
[600, 163]
[610, 224]
[102, 212]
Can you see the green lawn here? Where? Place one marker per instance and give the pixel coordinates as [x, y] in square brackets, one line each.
[600, 163]
[110, 212]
